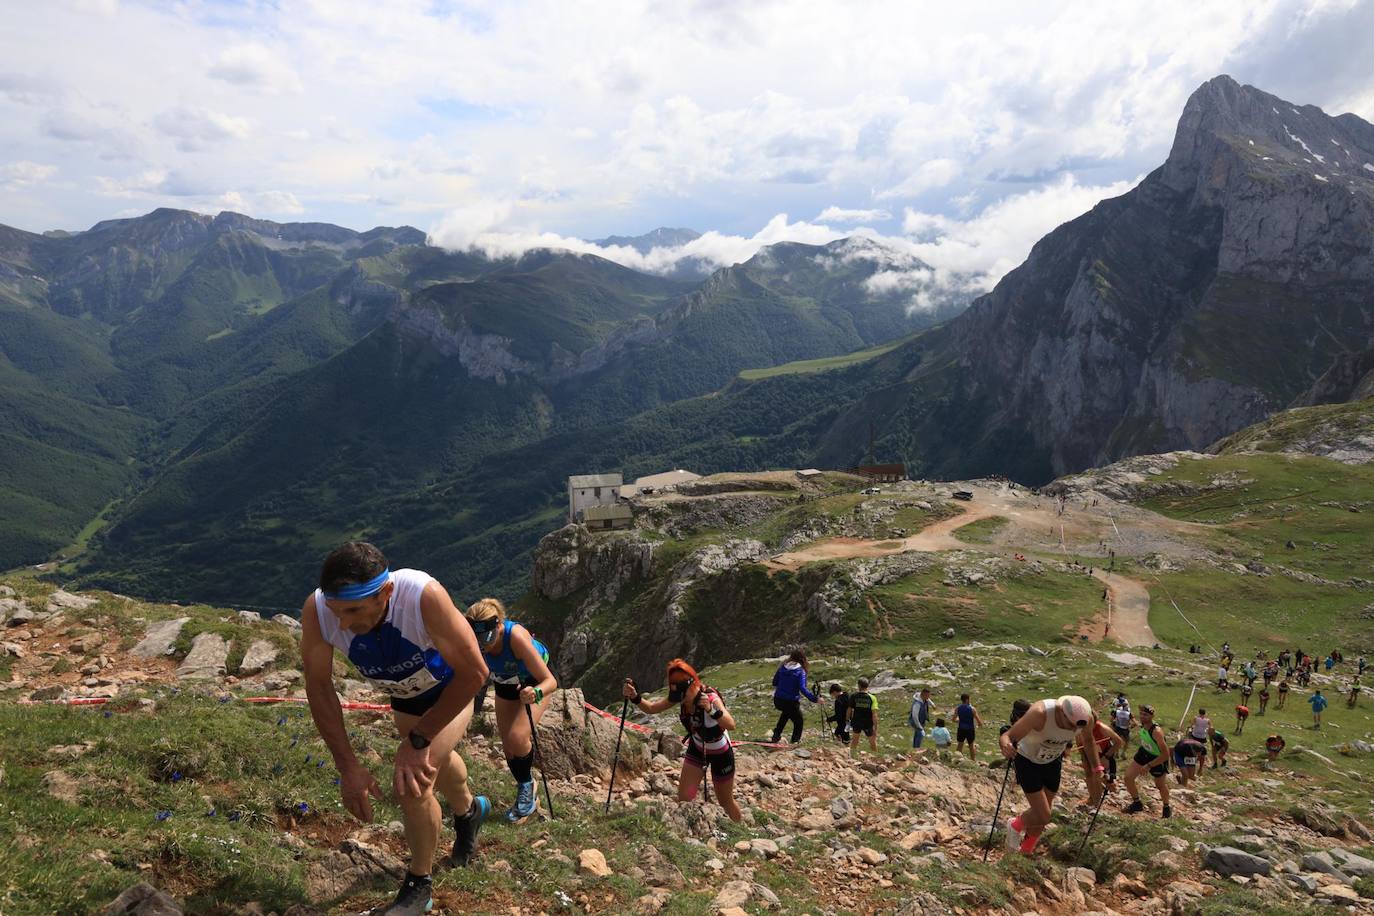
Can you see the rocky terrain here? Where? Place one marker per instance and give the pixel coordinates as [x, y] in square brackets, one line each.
[899, 833]
[166, 745]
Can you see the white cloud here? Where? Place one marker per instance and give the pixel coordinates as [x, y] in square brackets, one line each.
[254, 66]
[479, 228]
[264, 203]
[935, 173]
[194, 128]
[278, 203]
[23, 173]
[843, 215]
[988, 245]
[593, 120]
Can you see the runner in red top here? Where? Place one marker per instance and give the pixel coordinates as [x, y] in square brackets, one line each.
[1109, 744]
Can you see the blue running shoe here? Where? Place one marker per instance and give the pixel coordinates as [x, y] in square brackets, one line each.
[526, 801]
[466, 826]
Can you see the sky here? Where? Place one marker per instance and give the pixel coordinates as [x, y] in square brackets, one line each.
[956, 133]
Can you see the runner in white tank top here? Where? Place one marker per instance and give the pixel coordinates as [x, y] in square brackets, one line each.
[1035, 746]
[1047, 744]
[405, 636]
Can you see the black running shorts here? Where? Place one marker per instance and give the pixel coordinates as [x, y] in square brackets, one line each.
[722, 764]
[1036, 777]
[965, 734]
[1143, 757]
[418, 706]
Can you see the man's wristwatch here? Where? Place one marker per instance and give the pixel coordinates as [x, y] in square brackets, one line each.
[418, 741]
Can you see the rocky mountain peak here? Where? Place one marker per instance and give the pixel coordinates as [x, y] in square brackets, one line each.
[662, 237]
[1228, 127]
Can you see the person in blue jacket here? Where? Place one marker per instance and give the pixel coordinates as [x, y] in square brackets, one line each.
[789, 686]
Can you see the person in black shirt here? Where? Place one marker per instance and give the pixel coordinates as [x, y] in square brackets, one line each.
[863, 717]
[841, 714]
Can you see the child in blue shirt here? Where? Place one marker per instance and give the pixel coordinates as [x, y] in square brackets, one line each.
[941, 736]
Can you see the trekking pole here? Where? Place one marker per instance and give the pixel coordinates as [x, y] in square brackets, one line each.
[996, 814]
[1092, 823]
[534, 736]
[615, 761]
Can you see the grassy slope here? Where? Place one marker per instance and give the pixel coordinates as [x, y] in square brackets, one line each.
[1290, 428]
[1285, 498]
[820, 365]
[252, 769]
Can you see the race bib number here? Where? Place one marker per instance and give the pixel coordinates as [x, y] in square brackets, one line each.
[421, 681]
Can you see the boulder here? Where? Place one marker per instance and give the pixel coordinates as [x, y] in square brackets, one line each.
[763, 848]
[1338, 894]
[206, 660]
[250, 617]
[1350, 863]
[593, 862]
[281, 680]
[64, 601]
[354, 866]
[655, 900]
[1324, 863]
[44, 694]
[143, 900]
[733, 894]
[259, 656]
[1319, 819]
[573, 740]
[291, 623]
[1084, 877]
[20, 616]
[159, 638]
[1305, 883]
[9, 607]
[1227, 861]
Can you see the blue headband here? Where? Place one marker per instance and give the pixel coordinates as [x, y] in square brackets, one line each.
[362, 589]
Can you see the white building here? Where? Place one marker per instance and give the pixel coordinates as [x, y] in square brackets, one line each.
[588, 490]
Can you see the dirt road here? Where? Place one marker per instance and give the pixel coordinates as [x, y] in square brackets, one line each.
[1129, 622]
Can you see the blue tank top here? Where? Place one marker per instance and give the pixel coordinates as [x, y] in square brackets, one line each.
[505, 667]
[964, 713]
[398, 657]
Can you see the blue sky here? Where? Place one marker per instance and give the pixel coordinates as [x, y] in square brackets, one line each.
[508, 124]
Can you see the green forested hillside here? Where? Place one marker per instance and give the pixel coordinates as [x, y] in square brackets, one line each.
[233, 393]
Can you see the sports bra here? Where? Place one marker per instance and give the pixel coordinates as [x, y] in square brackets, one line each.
[505, 667]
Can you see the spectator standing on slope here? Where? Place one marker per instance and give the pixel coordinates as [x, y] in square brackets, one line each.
[968, 719]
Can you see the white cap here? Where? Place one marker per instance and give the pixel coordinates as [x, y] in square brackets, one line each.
[1077, 709]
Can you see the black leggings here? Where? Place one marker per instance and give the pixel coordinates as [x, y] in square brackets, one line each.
[790, 712]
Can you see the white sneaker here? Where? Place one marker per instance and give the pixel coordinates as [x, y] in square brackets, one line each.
[1014, 837]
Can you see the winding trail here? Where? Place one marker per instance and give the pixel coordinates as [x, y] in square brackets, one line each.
[1128, 622]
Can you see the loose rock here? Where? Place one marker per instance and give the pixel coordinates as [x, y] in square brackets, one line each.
[1227, 861]
[593, 862]
[159, 637]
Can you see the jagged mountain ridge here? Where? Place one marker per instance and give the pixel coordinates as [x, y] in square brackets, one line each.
[1156, 301]
[662, 237]
[1212, 294]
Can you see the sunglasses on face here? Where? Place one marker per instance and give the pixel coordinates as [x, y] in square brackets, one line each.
[485, 631]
